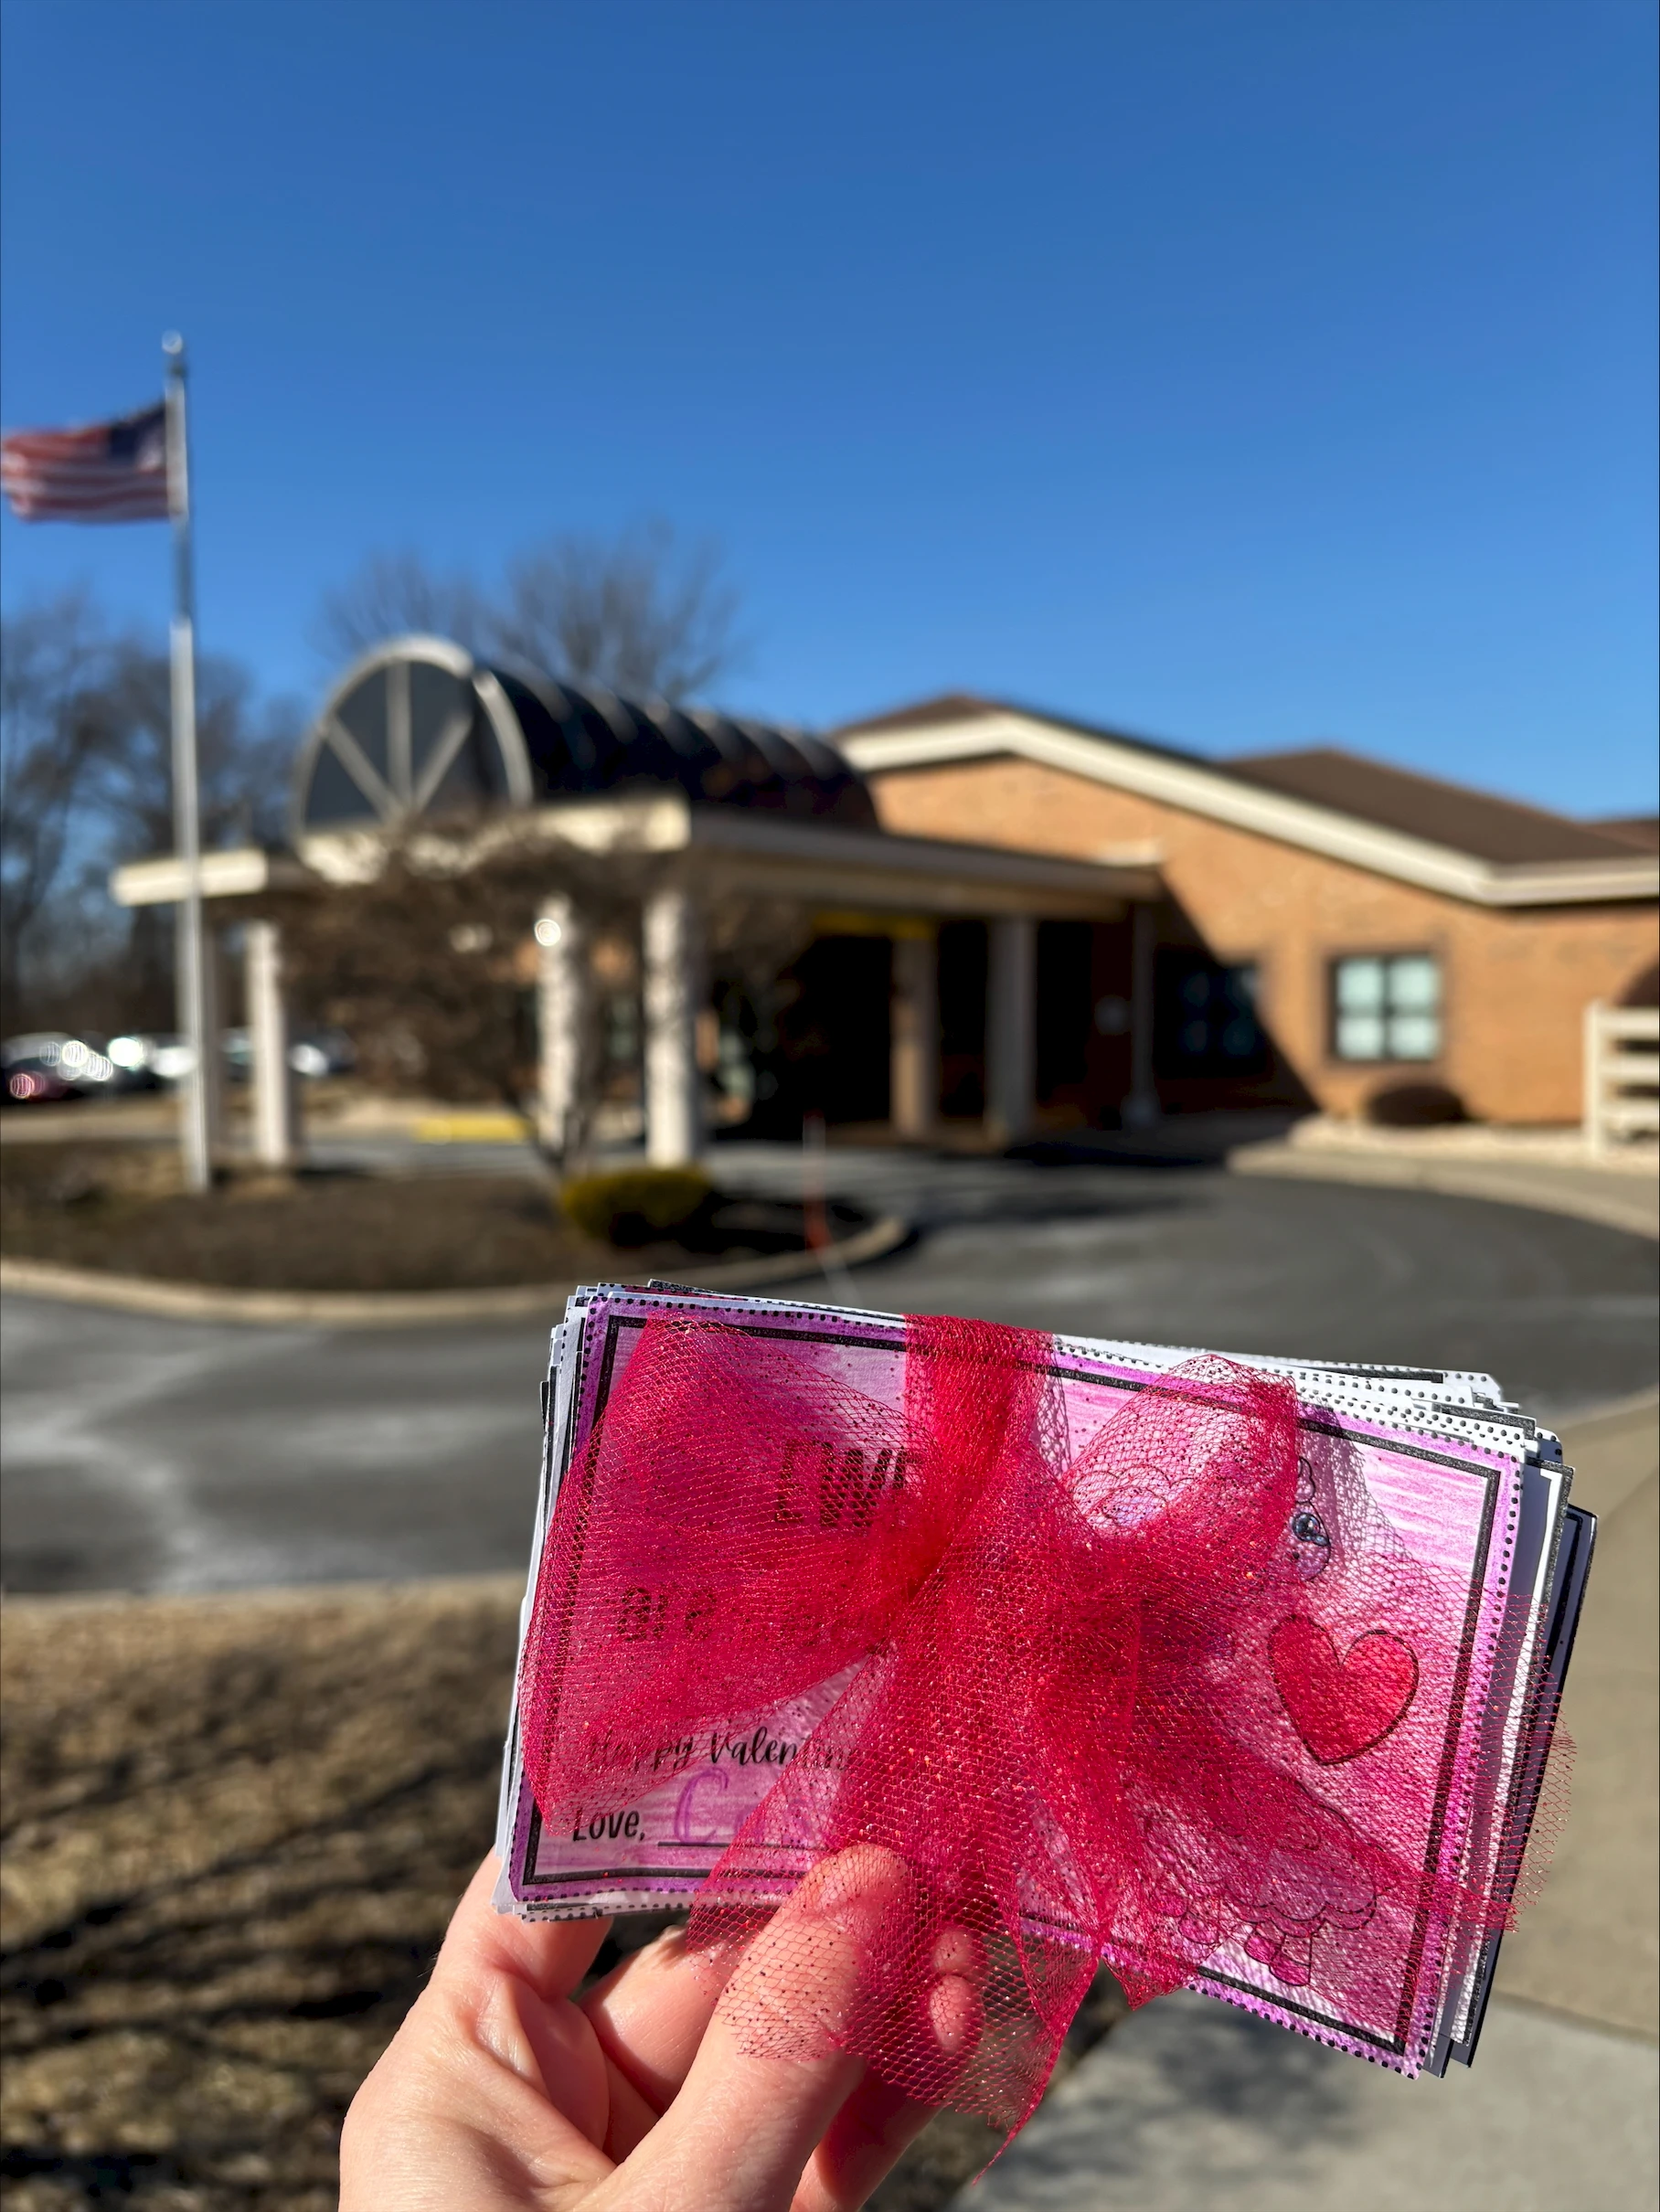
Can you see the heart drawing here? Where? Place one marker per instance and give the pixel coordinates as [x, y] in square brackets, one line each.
[1341, 1706]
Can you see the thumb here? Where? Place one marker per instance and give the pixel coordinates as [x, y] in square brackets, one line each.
[770, 2074]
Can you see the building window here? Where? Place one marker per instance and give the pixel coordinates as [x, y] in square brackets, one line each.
[1206, 1018]
[1386, 1007]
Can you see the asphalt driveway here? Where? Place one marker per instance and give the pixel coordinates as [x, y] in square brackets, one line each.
[149, 1455]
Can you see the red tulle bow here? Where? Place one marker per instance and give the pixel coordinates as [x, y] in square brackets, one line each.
[1077, 1696]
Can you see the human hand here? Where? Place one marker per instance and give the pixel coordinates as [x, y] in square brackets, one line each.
[501, 2093]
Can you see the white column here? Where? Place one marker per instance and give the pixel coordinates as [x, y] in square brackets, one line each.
[210, 1080]
[274, 1117]
[1141, 1108]
[914, 1050]
[1011, 1028]
[671, 993]
[562, 1011]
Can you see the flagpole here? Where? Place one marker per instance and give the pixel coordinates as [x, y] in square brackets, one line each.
[195, 1129]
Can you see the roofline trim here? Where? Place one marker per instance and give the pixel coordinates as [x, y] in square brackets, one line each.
[1201, 789]
[241, 872]
[783, 855]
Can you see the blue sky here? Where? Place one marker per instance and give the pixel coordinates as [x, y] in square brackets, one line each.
[1247, 373]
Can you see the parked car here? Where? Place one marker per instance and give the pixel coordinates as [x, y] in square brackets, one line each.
[51, 1064]
[319, 1052]
[29, 1083]
[151, 1056]
[311, 1053]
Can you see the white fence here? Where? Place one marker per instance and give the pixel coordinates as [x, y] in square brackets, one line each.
[1621, 1072]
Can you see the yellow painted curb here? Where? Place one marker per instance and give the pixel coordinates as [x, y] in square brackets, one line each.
[473, 1128]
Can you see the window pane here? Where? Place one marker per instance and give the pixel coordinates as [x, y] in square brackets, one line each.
[1414, 1036]
[1360, 986]
[1415, 984]
[1360, 1036]
[1204, 1020]
[364, 713]
[333, 795]
[438, 702]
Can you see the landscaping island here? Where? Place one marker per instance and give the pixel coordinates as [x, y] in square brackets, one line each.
[119, 1209]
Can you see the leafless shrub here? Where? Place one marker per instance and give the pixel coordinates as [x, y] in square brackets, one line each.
[431, 964]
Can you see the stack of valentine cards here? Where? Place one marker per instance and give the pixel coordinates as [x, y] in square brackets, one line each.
[1302, 1723]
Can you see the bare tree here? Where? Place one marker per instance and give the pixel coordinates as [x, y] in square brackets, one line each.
[54, 661]
[391, 595]
[244, 754]
[640, 614]
[85, 782]
[637, 616]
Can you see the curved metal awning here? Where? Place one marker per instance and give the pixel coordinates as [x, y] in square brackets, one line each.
[417, 728]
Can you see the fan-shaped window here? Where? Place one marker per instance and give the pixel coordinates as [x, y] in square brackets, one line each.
[363, 715]
[442, 713]
[473, 775]
[334, 797]
[414, 728]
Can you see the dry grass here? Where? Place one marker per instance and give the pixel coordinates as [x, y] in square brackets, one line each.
[234, 1829]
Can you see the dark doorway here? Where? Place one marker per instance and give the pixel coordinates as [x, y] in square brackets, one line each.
[834, 1040]
[962, 958]
[1066, 1004]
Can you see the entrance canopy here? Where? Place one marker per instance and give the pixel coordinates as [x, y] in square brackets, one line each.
[419, 740]
[720, 849]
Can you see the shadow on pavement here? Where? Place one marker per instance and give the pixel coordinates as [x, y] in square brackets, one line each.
[1275, 2094]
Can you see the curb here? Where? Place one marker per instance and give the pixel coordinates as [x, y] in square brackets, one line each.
[406, 1308]
[506, 1585]
[1612, 1202]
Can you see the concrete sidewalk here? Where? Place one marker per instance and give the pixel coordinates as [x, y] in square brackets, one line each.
[1547, 1170]
[1191, 2106]
[1590, 1947]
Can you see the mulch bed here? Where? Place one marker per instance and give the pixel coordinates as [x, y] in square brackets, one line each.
[233, 1832]
[120, 1208]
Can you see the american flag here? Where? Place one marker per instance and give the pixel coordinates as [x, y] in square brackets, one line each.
[104, 472]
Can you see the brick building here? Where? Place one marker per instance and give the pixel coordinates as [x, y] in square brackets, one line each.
[995, 917]
[1333, 931]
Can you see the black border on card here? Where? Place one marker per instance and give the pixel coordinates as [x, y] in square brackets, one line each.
[1579, 1532]
[529, 1883]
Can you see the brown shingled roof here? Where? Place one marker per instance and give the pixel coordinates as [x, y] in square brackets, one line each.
[1468, 821]
[949, 707]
